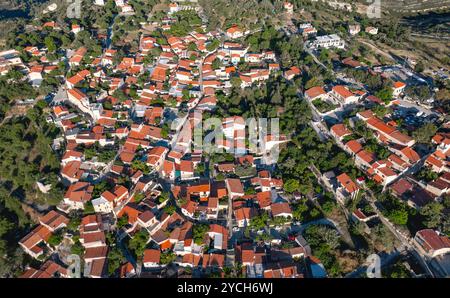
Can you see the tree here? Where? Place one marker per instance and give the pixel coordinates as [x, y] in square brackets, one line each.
[216, 64]
[384, 94]
[138, 243]
[291, 185]
[236, 82]
[420, 67]
[50, 44]
[55, 239]
[259, 222]
[164, 196]
[198, 233]
[77, 248]
[420, 92]
[167, 257]
[299, 211]
[74, 223]
[169, 209]
[5, 226]
[398, 217]
[433, 214]
[115, 259]
[122, 221]
[425, 133]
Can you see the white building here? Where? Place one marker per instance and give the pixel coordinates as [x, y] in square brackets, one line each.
[102, 205]
[327, 41]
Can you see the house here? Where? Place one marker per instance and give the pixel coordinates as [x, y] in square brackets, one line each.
[234, 188]
[219, 234]
[34, 243]
[339, 131]
[382, 173]
[190, 260]
[315, 93]
[401, 188]
[398, 88]
[76, 29]
[264, 199]
[234, 32]
[308, 30]
[353, 147]
[168, 170]
[78, 194]
[281, 210]
[35, 75]
[95, 268]
[127, 270]
[358, 216]
[349, 61]
[343, 95]
[372, 30]
[243, 216]
[398, 163]
[213, 261]
[281, 270]
[292, 73]
[156, 156]
[435, 163]
[364, 158]
[79, 100]
[173, 8]
[354, 29]
[147, 219]
[389, 133]
[71, 155]
[77, 57]
[49, 269]
[53, 221]
[186, 168]
[188, 209]
[327, 41]
[118, 197]
[289, 7]
[432, 243]
[102, 205]
[438, 187]
[347, 189]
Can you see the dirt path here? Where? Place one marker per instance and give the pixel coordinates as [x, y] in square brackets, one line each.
[376, 49]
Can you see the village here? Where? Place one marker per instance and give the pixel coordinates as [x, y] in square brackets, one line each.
[141, 201]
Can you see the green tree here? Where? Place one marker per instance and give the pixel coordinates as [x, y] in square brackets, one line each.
[138, 243]
[291, 185]
[425, 133]
[384, 94]
[50, 44]
[259, 222]
[433, 214]
[198, 233]
[5, 226]
[55, 239]
[115, 259]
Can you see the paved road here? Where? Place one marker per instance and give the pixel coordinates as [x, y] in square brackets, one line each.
[110, 32]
